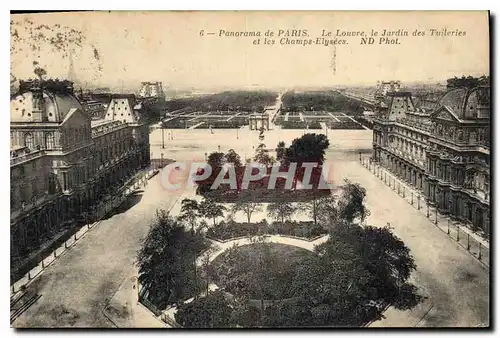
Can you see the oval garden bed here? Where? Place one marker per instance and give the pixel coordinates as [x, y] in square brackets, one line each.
[259, 271]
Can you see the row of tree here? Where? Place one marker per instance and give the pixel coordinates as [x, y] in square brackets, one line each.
[320, 101]
[250, 101]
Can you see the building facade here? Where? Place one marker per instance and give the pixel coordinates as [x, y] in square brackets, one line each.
[62, 162]
[442, 151]
[151, 89]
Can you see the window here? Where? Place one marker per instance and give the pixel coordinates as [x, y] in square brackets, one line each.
[28, 140]
[49, 141]
[52, 184]
[34, 187]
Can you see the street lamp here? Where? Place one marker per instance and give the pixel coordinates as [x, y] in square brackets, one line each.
[162, 136]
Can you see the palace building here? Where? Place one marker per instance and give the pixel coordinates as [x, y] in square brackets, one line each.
[63, 162]
[442, 149]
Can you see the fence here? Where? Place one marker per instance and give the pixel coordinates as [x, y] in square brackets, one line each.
[98, 214]
[460, 233]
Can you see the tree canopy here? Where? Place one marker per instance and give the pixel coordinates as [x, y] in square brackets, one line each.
[211, 311]
[166, 261]
[210, 209]
[308, 148]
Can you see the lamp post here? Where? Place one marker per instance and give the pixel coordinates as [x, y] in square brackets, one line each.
[162, 137]
[418, 202]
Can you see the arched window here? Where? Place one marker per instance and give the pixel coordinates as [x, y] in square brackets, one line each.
[49, 141]
[28, 140]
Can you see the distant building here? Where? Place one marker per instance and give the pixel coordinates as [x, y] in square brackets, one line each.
[151, 89]
[442, 150]
[385, 87]
[62, 162]
[95, 109]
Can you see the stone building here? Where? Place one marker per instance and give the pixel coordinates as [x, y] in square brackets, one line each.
[442, 151]
[62, 162]
[400, 137]
[151, 89]
[458, 164]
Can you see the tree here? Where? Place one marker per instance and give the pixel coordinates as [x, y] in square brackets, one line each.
[319, 207]
[210, 209]
[216, 159]
[281, 211]
[232, 157]
[190, 210]
[246, 203]
[207, 267]
[165, 261]
[308, 148]
[212, 311]
[355, 268]
[351, 203]
[40, 72]
[280, 151]
[262, 156]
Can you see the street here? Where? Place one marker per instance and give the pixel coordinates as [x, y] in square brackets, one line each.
[78, 286]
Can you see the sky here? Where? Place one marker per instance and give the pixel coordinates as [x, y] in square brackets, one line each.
[126, 48]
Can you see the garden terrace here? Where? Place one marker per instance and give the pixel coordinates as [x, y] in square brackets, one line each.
[314, 120]
[319, 101]
[203, 120]
[249, 101]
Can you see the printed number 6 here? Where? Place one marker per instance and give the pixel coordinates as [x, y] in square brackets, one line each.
[202, 32]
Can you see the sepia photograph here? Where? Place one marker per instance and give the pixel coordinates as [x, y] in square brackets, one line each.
[250, 169]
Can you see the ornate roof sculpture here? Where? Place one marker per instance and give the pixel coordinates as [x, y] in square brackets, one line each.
[43, 101]
[467, 104]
